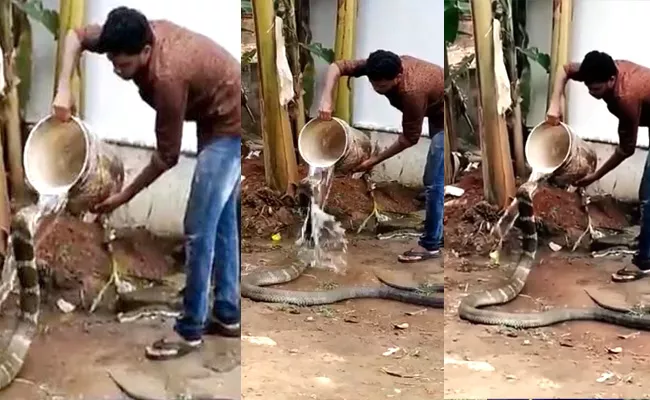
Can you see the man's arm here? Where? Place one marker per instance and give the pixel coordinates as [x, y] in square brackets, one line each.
[628, 127]
[355, 68]
[76, 41]
[567, 72]
[170, 102]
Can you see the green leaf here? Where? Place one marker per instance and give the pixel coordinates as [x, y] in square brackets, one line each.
[540, 58]
[35, 10]
[247, 56]
[452, 20]
[246, 7]
[318, 50]
[308, 84]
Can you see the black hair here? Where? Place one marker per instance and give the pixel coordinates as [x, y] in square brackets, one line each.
[383, 65]
[126, 31]
[597, 67]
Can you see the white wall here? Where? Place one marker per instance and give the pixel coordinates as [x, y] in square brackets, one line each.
[113, 107]
[414, 27]
[617, 27]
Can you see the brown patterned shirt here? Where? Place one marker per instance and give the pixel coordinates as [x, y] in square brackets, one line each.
[189, 78]
[630, 102]
[419, 94]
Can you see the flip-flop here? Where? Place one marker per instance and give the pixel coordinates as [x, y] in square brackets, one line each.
[628, 275]
[166, 350]
[413, 256]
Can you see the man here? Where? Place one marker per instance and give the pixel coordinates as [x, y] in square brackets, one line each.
[416, 88]
[625, 88]
[183, 75]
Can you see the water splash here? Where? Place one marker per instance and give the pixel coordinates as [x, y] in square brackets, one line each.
[322, 242]
[52, 203]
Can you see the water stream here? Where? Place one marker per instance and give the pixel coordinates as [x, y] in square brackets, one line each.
[322, 242]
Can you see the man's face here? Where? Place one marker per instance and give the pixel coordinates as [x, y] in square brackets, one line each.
[385, 86]
[601, 89]
[126, 66]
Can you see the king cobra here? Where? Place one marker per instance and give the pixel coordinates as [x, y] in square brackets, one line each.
[470, 306]
[252, 288]
[21, 262]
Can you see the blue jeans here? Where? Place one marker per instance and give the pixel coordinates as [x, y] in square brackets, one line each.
[434, 185]
[643, 252]
[212, 238]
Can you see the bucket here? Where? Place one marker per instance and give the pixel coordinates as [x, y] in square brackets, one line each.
[67, 158]
[333, 143]
[556, 150]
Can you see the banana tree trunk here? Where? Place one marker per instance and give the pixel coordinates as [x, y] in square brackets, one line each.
[562, 17]
[11, 107]
[346, 18]
[517, 123]
[498, 177]
[450, 126]
[71, 16]
[280, 165]
[293, 51]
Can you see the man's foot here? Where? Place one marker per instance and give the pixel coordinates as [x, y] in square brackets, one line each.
[216, 327]
[418, 254]
[167, 349]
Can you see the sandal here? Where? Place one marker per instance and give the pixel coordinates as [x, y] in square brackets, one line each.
[629, 275]
[413, 256]
[167, 350]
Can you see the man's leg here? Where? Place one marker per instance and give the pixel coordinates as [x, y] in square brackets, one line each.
[640, 267]
[226, 311]
[215, 177]
[434, 181]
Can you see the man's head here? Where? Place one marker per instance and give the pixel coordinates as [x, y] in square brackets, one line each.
[384, 70]
[126, 39]
[598, 72]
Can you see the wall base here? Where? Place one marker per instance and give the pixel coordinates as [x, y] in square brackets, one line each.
[623, 182]
[159, 208]
[406, 168]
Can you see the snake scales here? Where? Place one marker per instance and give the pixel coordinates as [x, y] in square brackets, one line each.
[470, 306]
[252, 287]
[21, 262]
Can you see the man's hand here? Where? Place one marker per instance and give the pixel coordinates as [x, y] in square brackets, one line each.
[366, 165]
[554, 113]
[111, 203]
[325, 108]
[587, 180]
[62, 106]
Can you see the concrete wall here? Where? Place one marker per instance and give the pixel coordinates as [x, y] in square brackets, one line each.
[597, 25]
[415, 28]
[115, 111]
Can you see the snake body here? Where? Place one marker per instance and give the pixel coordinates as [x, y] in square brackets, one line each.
[23, 264]
[470, 307]
[252, 287]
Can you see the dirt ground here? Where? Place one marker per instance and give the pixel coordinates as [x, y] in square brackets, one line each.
[265, 212]
[338, 352]
[561, 361]
[73, 353]
[594, 360]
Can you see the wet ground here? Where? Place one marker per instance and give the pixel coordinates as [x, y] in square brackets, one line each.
[352, 350]
[573, 359]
